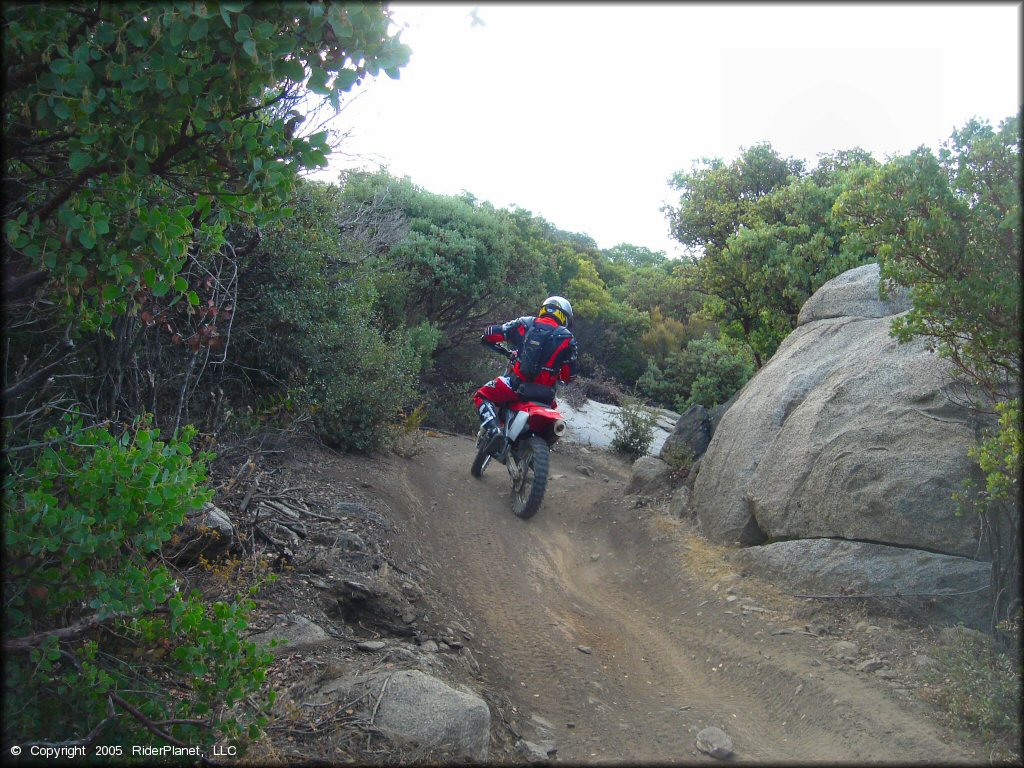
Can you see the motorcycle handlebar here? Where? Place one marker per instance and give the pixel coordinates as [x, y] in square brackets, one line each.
[497, 347]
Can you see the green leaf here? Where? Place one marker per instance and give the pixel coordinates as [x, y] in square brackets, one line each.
[177, 34]
[346, 79]
[249, 46]
[180, 284]
[161, 289]
[193, 298]
[198, 31]
[292, 69]
[79, 160]
[318, 81]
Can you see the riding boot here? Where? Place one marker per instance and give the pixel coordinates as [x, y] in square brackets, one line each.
[489, 424]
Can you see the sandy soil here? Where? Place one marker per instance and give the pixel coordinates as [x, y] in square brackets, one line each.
[591, 622]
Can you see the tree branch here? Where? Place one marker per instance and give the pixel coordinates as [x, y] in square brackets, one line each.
[25, 384]
[24, 283]
[44, 211]
[28, 642]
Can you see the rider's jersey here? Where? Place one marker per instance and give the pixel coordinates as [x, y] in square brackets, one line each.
[561, 365]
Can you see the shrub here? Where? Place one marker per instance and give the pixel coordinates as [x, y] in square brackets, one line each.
[708, 371]
[979, 687]
[95, 622]
[308, 328]
[355, 382]
[634, 428]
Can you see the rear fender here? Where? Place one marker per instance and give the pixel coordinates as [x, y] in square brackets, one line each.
[538, 419]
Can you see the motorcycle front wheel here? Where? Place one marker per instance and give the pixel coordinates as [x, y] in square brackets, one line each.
[528, 488]
[483, 458]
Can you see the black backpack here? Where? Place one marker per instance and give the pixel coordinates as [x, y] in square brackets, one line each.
[539, 345]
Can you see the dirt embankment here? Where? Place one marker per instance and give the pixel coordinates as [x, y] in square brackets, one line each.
[610, 629]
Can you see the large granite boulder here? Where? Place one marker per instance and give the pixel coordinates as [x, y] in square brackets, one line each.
[845, 433]
[941, 589]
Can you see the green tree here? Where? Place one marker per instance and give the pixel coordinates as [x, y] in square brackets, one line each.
[453, 266]
[715, 198]
[136, 138]
[949, 228]
[133, 134]
[768, 239]
[94, 623]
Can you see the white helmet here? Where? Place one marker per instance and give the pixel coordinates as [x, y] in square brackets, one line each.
[557, 308]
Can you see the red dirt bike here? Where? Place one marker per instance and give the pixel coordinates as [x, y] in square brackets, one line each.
[528, 430]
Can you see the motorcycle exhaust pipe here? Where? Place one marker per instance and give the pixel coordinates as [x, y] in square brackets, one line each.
[559, 427]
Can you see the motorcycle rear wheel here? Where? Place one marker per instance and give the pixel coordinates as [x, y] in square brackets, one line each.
[528, 493]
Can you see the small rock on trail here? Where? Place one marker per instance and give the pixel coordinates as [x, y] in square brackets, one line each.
[715, 742]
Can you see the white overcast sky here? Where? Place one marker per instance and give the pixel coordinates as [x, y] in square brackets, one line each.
[580, 113]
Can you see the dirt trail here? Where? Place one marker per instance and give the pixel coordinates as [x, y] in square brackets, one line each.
[668, 655]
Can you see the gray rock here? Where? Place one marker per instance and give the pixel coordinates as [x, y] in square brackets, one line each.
[871, 665]
[536, 753]
[853, 294]
[927, 582]
[844, 649]
[649, 474]
[371, 645]
[679, 505]
[716, 413]
[844, 433]
[416, 707]
[715, 742]
[584, 649]
[924, 662]
[347, 541]
[293, 633]
[207, 532]
[690, 437]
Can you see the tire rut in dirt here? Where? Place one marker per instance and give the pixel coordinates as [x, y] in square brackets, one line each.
[653, 676]
[775, 701]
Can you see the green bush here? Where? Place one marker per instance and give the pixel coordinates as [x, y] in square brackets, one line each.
[979, 687]
[309, 329]
[356, 382]
[634, 428]
[94, 619]
[707, 371]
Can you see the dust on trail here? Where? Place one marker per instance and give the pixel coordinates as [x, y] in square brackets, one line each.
[668, 656]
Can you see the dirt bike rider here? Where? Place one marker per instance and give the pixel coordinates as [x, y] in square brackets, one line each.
[556, 353]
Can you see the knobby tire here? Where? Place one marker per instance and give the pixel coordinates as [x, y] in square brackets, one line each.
[527, 498]
[481, 459]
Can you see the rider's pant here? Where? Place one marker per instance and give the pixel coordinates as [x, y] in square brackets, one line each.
[499, 391]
